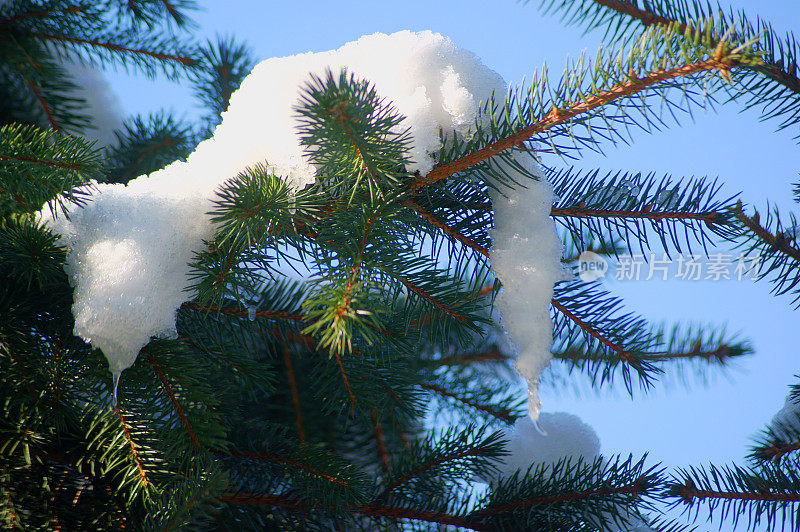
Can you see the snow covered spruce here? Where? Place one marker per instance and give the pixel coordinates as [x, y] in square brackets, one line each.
[129, 248]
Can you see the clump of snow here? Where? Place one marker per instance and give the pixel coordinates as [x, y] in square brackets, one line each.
[128, 248]
[526, 257]
[102, 105]
[562, 436]
[787, 417]
[557, 436]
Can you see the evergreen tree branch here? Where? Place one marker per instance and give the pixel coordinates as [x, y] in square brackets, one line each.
[171, 395]
[298, 416]
[283, 460]
[772, 249]
[449, 231]
[184, 60]
[557, 116]
[768, 494]
[503, 415]
[779, 242]
[380, 441]
[143, 479]
[377, 511]
[587, 316]
[774, 83]
[492, 354]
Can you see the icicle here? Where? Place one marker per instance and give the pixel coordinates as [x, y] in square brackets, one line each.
[251, 312]
[117, 374]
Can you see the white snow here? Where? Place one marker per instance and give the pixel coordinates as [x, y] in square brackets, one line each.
[787, 417]
[129, 247]
[102, 104]
[526, 257]
[566, 436]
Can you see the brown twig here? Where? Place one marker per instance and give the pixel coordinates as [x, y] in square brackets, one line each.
[380, 441]
[624, 356]
[298, 417]
[689, 491]
[450, 231]
[778, 242]
[171, 395]
[503, 415]
[186, 61]
[283, 501]
[557, 116]
[634, 488]
[45, 107]
[134, 452]
[768, 69]
[272, 457]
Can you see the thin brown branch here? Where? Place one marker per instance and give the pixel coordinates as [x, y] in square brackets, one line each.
[710, 218]
[429, 298]
[450, 231]
[43, 162]
[380, 511]
[688, 492]
[39, 13]
[380, 441]
[298, 416]
[272, 457]
[241, 312]
[345, 380]
[776, 450]
[557, 116]
[721, 354]
[493, 354]
[779, 242]
[201, 347]
[186, 61]
[476, 451]
[769, 69]
[171, 395]
[134, 452]
[43, 104]
[624, 356]
[503, 414]
[635, 488]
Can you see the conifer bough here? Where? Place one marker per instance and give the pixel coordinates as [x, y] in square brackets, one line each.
[416, 195]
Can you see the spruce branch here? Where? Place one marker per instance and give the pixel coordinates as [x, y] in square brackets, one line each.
[224, 65]
[768, 495]
[772, 246]
[656, 63]
[683, 354]
[774, 84]
[298, 415]
[572, 495]
[588, 316]
[628, 206]
[39, 166]
[146, 145]
[503, 414]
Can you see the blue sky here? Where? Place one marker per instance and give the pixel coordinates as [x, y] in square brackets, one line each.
[678, 425]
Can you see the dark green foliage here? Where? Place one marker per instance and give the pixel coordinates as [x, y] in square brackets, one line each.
[732, 493]
[146, 145]
[630, 206]
[350, 134]
[37, 166]
[774, 242]
[224, 65]
[773, 84]
[306, 404]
